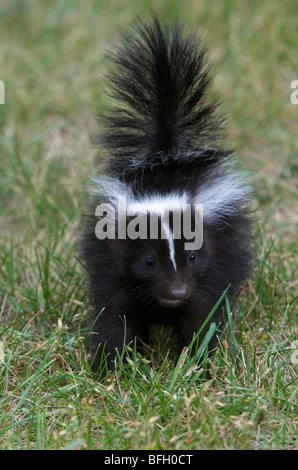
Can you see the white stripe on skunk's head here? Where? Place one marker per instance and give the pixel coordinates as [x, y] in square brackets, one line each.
[218, 196]
[110, 189]
[223, 195]
[159, 203]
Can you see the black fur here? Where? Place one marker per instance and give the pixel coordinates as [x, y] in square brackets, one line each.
[163, 139]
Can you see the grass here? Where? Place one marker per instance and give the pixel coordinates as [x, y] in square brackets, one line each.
[54, 56]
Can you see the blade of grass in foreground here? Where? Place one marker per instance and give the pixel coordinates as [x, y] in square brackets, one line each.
[185, 363]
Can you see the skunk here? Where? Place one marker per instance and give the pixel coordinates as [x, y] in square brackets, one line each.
[168, 227]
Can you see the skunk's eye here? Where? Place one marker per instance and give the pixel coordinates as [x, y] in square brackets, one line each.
[192, 257]
[150, 261]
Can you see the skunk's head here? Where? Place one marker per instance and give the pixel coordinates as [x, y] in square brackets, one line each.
[169, 245]
[164, 270]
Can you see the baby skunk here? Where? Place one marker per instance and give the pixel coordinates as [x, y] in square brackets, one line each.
[163, 161]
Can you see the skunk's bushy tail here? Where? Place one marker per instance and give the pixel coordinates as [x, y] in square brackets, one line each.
[159, 77]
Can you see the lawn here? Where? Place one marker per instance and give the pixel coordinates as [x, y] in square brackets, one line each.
[53, 62]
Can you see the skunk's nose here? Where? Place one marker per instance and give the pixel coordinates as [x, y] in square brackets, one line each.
[179, 292]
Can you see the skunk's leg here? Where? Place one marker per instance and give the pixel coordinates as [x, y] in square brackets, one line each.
[111, 333]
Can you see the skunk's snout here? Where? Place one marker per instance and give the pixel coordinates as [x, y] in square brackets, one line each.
[175, 295]
[179, 292]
